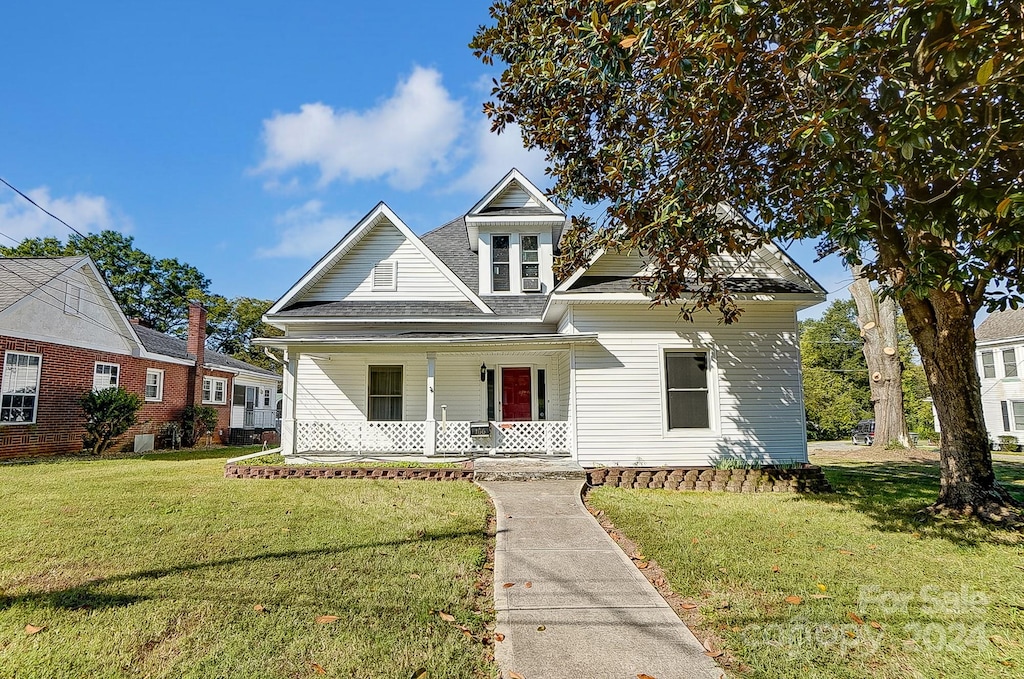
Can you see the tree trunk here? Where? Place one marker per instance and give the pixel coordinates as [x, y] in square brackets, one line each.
[942, 326]
[885, 370]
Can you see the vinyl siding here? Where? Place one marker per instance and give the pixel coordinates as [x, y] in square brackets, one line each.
[1001, 388]
[757, 409]
[512, 197]
[351, 278]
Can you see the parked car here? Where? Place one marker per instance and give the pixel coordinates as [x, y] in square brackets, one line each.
[864, 433]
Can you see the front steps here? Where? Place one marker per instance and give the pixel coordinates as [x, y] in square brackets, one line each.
[526, 469]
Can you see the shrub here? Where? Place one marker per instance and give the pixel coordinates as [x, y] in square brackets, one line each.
[108, 414]
[196, 421]
[1009, 443]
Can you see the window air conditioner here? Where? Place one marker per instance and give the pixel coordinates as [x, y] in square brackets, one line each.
[531, 285]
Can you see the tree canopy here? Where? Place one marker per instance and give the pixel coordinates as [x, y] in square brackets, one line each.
[892, 132]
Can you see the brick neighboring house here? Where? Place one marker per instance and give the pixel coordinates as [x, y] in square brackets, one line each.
[62, 334]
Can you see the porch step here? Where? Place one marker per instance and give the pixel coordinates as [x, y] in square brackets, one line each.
[526, 469]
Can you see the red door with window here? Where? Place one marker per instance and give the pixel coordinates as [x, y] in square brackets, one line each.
[516, 401]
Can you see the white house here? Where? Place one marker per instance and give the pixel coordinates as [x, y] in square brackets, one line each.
[1000, 352]
[462, 342]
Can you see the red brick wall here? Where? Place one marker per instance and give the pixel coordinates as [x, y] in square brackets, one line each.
[67, 373]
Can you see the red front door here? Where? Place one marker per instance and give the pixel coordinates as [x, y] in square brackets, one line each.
[516, 404]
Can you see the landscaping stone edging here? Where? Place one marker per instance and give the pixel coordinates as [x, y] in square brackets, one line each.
[806, 479]
[239, 471]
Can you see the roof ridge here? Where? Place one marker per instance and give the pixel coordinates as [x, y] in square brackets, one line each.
[443, 226]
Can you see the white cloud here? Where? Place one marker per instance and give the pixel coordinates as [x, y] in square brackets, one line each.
[308, 232]
[19, 219]
[494, 155]
[404, 139]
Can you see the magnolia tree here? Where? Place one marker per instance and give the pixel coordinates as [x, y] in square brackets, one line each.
[890, 131]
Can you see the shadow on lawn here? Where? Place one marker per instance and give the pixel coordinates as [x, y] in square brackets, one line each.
[895, 496]
[90, 595]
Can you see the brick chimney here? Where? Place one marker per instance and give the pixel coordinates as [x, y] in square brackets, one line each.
[196, 347]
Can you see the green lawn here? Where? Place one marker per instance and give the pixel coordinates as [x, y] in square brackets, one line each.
[152, 567]
[884, 592]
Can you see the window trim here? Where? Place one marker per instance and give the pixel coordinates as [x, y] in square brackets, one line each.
[72, 299]
[1013, 416]
[713, 430]
[371, 366]
[39, 380]
[224, 391]
[159, 386]
[1012, 363]
[97, 364]
[523, 263]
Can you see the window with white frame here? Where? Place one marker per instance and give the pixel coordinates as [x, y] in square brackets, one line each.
[19, 387]
[266, 398]
[105, 376]
[385, 277]
[1009, 363]
[1017, 410]
[988, 364]
[529, 256]
[154, 384]
[686, 386]
[384, 394]
[501, 279]
[214, 390]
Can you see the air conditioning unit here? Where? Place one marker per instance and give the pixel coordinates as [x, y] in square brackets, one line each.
[531, 285]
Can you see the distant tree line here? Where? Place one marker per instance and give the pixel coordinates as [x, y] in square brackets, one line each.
[837, 394]
[159, 291]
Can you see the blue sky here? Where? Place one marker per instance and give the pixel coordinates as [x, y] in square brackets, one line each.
[246, 138]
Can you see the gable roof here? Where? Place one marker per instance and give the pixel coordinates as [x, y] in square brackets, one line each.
[157, 342]
[1001, 325]
[378, 215]
[535, 203]
[21, 276]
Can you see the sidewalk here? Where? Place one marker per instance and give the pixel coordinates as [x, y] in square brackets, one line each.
[588, 612]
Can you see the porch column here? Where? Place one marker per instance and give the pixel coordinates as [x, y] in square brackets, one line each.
[431, 429]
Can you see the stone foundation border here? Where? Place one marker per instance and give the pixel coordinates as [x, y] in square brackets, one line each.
[805, 479]
[238, 471]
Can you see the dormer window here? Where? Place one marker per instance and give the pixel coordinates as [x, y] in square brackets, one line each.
[529, 254]
[385, 277]
[501, 280]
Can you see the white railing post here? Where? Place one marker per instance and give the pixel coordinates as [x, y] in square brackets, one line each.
[430, 438]
[547, 439]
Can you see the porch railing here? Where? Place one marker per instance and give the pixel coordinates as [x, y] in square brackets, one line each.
[426, 438]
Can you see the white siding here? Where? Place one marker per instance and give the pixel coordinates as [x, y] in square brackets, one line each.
[755, 382]
[1001, 388]
[513, 196]
[351, 278]
[560, 381]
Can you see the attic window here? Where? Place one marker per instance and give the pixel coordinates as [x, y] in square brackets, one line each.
[385, 276]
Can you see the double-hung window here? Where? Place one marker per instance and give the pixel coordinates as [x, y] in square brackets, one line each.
[988, 365]
[501, 281]
[154, 384]
[214, 390]
[19, 387]
[1009, 363]
[1017, 408]
[385, 392]
[529, 254]
[687, 393]
[105, 376]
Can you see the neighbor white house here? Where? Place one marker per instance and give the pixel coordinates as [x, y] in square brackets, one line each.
[1000, 352]
[462, 342]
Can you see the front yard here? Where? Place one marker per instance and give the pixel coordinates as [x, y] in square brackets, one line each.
[159, 567]
[851, 584]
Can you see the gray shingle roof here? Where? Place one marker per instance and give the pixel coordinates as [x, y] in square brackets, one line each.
[451, 245]
[167, 345]
[20, 276]
[1001, 325]
[598, 284]
[520, 306]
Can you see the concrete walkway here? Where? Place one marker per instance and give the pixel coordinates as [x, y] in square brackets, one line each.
[601, 619]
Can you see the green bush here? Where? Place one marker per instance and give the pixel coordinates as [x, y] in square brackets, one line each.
[1009, 444]
[108, 414]
[196, 421]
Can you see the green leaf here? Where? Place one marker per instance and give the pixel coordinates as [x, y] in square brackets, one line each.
[985, 72]
[907, 150]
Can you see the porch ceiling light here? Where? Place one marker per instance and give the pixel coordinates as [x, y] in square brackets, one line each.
[483, 372]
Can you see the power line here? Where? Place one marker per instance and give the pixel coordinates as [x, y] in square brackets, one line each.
[17, 191]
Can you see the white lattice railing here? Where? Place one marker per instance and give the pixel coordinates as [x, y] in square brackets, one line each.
[532, 437]
[360, 437]
[453, 437]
